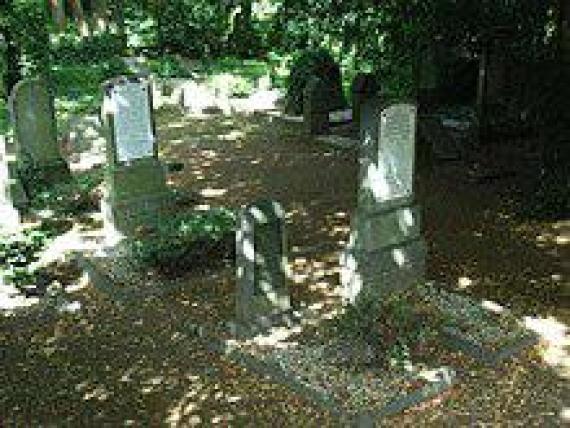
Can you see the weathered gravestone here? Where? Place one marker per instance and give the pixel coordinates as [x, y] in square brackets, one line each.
[261, 262]
[385, 251]
[9, 215]
[135, 178]
[33, 118]
[364, 86]
[316, 107]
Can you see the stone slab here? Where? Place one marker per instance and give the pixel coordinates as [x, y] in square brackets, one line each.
[382, 272]
[381, 229]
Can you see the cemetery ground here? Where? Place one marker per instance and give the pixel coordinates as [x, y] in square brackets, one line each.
[136, 361]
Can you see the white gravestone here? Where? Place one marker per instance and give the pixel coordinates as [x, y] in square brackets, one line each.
[9, 216]
[134, 137]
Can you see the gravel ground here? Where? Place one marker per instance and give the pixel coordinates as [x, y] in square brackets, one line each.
[135, 364]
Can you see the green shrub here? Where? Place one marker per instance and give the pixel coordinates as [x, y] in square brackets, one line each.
[185, 241]
[70, 198]
[313, 62]
[168, 66]
[71, 49]
[392, 327]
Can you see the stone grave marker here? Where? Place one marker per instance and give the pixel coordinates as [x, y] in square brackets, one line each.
[261, 262]
[135, 178]
[386, 251]
[316, 107]
[9, 215]
[364, 86]
[33, 118]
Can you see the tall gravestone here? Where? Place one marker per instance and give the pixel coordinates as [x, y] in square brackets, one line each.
[386, 251]
[261, 262]
[316, 106]
[135, 178]
[32, 115]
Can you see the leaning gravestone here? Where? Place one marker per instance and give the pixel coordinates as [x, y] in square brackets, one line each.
[135, 178]
[386, 251]
[261, 263]
[316, 107]
[33, 119]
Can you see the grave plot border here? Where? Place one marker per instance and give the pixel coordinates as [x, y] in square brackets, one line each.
[448, 378]
[456, 340]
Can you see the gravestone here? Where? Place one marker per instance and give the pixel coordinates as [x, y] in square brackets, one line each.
[385, 251]
[9, 215]
[135, 178]
[261, 262]
[316, 107]
[364, 86]
[33, 118]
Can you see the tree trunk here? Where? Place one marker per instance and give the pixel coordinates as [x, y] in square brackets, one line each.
[77, 10]
[57, 8]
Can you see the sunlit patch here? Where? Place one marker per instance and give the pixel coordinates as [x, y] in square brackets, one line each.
[213, 193]
[399, 257]
[492, 306]
[556, 337]
[464, 282]
[565, 414]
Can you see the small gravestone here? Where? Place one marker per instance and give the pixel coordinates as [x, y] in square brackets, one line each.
[316, 107]
[135, 178]
[364, 86]
[261, 262]
[33, 118]
[385, 251]
[9, 215]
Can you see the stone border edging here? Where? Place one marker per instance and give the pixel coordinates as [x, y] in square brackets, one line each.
[459, 341]
[282, 377]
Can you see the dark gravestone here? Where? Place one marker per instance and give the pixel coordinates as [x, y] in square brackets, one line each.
[39, 160]
[364, 86]
[316, 107]
[261, 262]
[135, 179]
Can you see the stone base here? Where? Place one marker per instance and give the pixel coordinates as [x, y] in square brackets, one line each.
[381, 272]
[136, 193]
[375, 230]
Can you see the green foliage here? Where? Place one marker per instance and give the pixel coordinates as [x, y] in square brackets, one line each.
[167, 66]
[17, 252]
[391, 326]
[78, 87]
[308, 63]
[194, 28]
[185, 241]
[70, 198]
[70, 48]
[27, 23]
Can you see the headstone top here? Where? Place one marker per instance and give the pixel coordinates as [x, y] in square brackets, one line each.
[128, 101]
[388, 154]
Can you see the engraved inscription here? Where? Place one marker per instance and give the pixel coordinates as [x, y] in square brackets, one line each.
[134, 137]
[397, 147]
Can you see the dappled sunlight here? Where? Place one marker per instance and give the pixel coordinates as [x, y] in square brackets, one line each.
[213, 193]
[555, 336]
